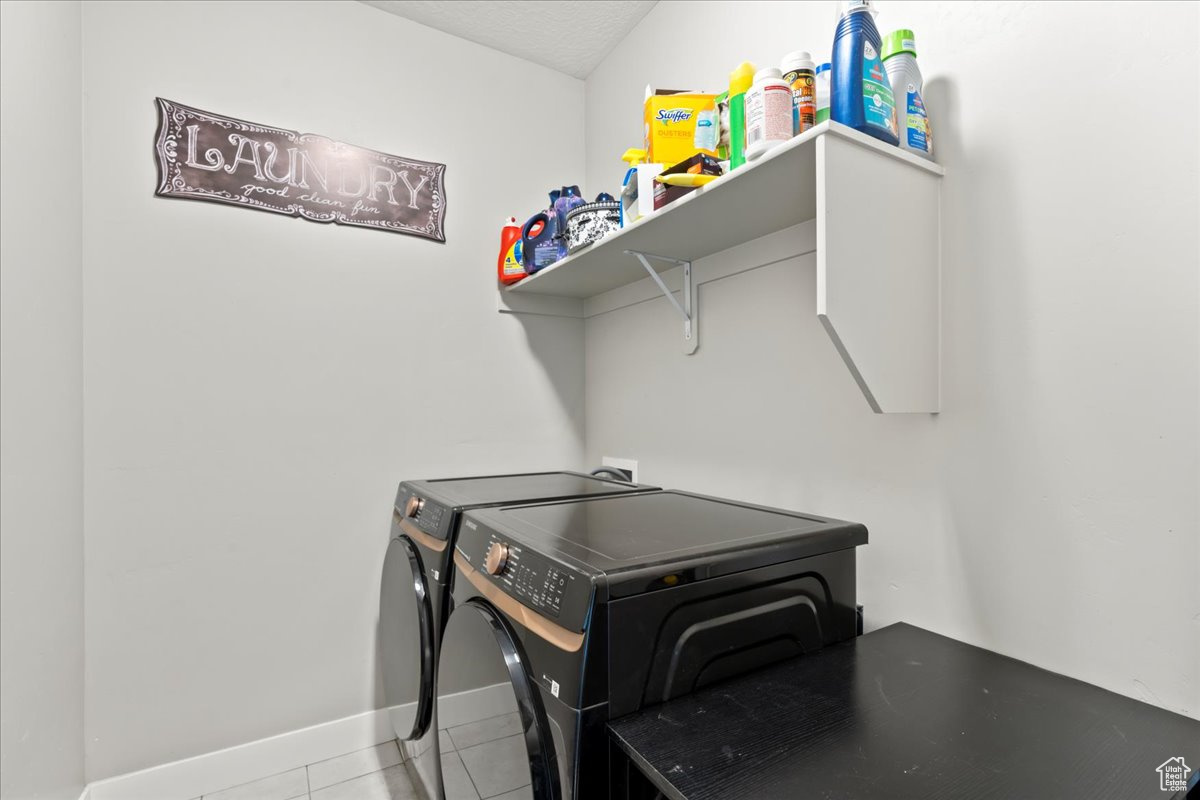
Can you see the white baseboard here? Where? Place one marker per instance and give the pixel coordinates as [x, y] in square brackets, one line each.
[211, 772]
[221, 769]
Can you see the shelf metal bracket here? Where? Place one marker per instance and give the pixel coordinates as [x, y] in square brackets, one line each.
[691, 337]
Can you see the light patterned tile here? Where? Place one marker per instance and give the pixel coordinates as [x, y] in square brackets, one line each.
[284, 786]
[486, 730]
[445, 743]
[458, 785]
[343, 768]
[389, 784]
[497, 766]
[524, 793]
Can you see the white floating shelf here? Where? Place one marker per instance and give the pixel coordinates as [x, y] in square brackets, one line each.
[877, 212]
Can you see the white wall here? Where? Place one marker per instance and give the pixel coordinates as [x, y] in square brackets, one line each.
[41, 403]
[248, 377]
[257, 385]
[1050, 512]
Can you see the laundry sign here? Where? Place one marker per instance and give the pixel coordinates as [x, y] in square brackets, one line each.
[207, 156]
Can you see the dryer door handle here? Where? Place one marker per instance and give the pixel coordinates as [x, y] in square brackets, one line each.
[539, 743]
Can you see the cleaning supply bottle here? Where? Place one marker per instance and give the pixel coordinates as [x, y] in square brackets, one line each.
[567, 200]
[540, 247]
[800, 73]
[860, 93]
[509, 268]
[740, 81]
[768, 112]
[823, 92]
[900, 62]
[631, 207]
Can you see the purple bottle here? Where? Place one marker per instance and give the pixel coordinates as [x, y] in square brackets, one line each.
[567, 200]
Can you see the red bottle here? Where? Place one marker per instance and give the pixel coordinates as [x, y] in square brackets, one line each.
[510, 268]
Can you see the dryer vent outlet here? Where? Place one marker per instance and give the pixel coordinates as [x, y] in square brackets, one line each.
[628, 466]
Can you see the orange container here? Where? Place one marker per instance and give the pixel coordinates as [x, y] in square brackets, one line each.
[510, 268]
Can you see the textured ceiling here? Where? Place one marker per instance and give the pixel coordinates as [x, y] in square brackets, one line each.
[570, 37]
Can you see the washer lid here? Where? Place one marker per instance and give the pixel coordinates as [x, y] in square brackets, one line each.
[664, 528]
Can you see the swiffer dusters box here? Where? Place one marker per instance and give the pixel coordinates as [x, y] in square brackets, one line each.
[679, 125]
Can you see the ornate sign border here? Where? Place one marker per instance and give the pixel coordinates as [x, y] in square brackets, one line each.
[172, 136]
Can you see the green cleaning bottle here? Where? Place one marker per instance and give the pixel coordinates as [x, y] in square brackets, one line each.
[900, 62]
[739, 81]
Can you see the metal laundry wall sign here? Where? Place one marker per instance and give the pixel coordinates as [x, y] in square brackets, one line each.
[206, 156]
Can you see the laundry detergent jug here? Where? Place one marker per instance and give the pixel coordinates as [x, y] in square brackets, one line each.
[509, 268]
[540, 244]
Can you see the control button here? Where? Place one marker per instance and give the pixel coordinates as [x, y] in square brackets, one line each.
[415, 504]
[497, 558]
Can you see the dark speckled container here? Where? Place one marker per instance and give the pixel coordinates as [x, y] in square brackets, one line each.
[591, 222]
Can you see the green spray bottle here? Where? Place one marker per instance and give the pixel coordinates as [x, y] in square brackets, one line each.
[739, 81]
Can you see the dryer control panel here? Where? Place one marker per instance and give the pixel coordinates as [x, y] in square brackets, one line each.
[549, 587]
[529, 577]
[428, 515]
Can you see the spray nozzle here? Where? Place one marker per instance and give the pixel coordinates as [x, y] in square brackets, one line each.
[741, 78]
[634, 156]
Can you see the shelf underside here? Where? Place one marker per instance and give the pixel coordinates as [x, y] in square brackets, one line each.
[877, 219]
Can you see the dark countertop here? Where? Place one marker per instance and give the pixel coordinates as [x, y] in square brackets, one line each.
[905, 713]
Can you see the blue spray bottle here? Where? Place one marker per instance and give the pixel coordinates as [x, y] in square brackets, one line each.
[860, 93]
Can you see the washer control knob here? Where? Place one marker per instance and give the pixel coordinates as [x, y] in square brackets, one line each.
[497, 558]
[415, 504]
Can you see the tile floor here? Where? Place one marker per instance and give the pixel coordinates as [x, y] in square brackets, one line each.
[482, 760]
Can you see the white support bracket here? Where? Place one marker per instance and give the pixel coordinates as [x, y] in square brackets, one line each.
[691, 321]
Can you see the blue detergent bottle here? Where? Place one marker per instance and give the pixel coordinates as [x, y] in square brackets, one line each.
[860, 93]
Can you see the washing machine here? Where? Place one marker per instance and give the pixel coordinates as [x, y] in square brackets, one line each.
[597, 608]
[414, 600]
